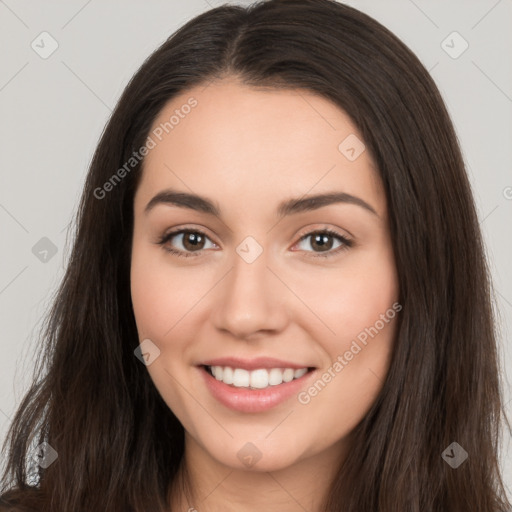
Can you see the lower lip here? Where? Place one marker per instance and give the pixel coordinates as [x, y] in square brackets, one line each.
[252, 400]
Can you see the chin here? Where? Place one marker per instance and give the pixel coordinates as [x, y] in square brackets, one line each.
[257, 456]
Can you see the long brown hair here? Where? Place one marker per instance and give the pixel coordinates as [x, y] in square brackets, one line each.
[119, 446]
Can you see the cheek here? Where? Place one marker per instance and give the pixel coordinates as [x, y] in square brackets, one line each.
[353, 298]
[162, 295]
[160, 315]
[359, 305]
[348, 386]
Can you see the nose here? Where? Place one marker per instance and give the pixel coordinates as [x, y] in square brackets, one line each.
[251, 302]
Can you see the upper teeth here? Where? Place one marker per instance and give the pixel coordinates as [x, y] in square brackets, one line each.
[260, 379]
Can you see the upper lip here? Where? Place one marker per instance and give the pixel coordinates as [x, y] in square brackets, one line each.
[254, 364]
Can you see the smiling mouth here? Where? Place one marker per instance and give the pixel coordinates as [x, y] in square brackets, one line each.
[260, 378]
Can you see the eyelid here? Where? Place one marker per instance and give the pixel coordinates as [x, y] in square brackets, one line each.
[346, 242]
[169, 233]
[322, 228]
[180, 230]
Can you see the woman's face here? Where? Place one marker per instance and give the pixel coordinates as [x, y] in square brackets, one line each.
[260, 293]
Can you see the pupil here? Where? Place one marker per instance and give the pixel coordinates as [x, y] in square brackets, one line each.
[322, 241]
[194, 239]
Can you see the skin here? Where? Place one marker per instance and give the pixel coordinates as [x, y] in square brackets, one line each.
[247, 150]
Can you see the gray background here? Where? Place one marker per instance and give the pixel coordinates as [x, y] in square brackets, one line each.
[53, 110]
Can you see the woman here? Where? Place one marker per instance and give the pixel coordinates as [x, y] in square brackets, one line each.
[267, 305]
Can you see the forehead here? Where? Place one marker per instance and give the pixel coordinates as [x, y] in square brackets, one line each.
[228, 140]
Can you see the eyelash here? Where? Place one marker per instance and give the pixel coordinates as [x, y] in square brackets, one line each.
[346, 243]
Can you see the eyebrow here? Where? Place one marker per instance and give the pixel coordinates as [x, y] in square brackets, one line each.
[287, 207]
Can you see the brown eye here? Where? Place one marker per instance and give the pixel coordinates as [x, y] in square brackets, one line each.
[189, 242]
[192, 240]
[323, 242]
